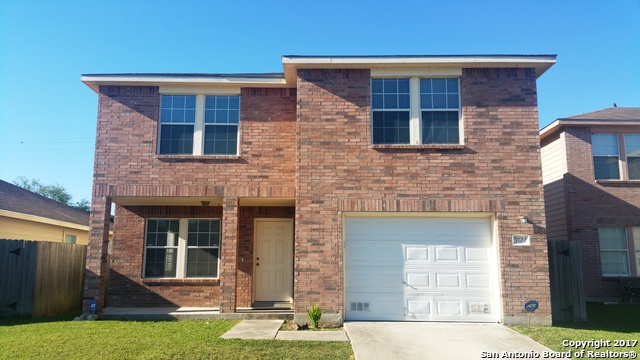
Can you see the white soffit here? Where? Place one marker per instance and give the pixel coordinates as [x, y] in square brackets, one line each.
[380, 65]
[94, 81]
[425, 63]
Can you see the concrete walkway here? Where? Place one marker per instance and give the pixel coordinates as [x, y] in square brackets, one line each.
[254, 329]
[270, 329]
[442, 341]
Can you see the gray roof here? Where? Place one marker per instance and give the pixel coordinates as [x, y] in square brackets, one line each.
[615, 116]
[613, 113]
[16, 199]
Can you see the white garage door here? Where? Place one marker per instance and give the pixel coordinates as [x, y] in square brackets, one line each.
[419, 269]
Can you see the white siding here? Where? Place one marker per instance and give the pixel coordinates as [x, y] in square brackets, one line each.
[555, 210]
[554, 166]
[554, 158]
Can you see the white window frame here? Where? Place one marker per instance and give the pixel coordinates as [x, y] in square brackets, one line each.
[421, 110]
[626, 151]
[415, 111]
[618, 155]
[623, 164]
[70, 239]
[628, 251]
[181, 247]
[199, 126]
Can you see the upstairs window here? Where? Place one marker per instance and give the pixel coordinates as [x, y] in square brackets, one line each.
[177, 124]
[391, 104]
[221, 118]
[616, 156]
[632, 153]
[605, 156]
[415, 111]
[439, 110]
[199, 125]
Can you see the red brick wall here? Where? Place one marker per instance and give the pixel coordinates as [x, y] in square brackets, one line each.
[126, 163]
[592, 205]
[127, 288]
[498, 170]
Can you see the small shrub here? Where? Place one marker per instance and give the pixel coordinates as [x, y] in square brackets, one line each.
[315, 313]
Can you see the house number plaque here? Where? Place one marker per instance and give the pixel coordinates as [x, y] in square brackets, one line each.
[521, 240]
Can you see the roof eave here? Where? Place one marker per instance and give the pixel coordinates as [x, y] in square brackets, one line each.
[95, 81]
[541, 63]
[290, 63]
[44, 220]
[560, 123]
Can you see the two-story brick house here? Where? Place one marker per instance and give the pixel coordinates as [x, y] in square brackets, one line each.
[591, 175]
[381, 188]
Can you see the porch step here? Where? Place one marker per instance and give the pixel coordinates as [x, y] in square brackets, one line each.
[157, 314]
[271, 305]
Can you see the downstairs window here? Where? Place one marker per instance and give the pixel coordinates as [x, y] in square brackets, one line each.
[182, 248]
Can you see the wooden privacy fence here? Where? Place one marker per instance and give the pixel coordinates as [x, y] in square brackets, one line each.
[39, 278]
[567, 281]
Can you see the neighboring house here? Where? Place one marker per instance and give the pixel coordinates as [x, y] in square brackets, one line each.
[25, 215]
[380, 187]
[591, 174]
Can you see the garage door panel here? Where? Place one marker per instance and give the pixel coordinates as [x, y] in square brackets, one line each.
[419, 308]
[416, 253]
[380, 280]
[422, 269]
[476, 255]
[448, 308]
[418, 280]
[374, 306]
[366, 253]
[448, 281]
[447, 253]
[480, 281]
[475, 230]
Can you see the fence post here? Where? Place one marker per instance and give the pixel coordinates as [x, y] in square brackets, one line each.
[566, 281]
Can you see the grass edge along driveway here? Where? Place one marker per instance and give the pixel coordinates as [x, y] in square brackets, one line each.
[63, 338]
[619, 324]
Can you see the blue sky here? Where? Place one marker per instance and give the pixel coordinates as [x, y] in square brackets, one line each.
[48, 117]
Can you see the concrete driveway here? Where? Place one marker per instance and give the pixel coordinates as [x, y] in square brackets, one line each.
[425, 340]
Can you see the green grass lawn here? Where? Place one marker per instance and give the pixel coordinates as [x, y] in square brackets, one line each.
[62, 338]
[605, 322]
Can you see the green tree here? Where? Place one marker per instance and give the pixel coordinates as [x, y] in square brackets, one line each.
[53, 191]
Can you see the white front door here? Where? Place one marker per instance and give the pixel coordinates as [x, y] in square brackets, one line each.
[273, 260]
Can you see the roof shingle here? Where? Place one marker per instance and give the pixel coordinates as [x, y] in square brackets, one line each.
[16, 199]
[614, 113]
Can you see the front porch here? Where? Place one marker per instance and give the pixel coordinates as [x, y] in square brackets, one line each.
[135, 288]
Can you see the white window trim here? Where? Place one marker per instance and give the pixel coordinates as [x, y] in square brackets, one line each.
[629, 251]
[623, 165]
[623, 150]
[415, 109]
[182, 247]
[198, 133]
